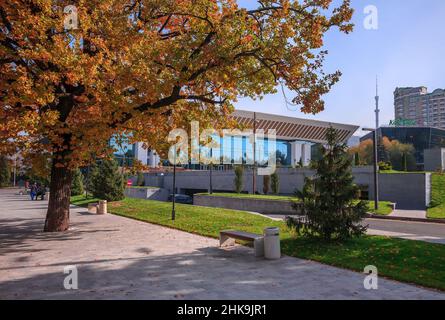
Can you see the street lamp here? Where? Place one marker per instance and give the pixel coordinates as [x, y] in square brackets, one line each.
[376, 176]
[174, 187]
[211, 169]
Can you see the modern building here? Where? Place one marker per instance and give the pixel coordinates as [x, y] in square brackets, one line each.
[435, 159]
[422, 138]
[294, 139]
[422, 108]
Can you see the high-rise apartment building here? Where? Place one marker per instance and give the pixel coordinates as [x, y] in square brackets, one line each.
[416, 104]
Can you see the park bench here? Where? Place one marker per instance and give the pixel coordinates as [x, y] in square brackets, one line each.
[227, 239]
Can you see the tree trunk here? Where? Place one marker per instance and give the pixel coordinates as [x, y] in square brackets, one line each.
[58, 214]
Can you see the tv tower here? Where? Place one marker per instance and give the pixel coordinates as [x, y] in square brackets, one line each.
[377, 98]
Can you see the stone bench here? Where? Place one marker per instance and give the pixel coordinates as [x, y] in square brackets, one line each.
[227, 239]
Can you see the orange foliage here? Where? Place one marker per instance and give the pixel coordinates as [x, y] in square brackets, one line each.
[144, 67]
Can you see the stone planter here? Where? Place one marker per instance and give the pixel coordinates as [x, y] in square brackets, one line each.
[263, 206]
[92, 208]
[102, 207]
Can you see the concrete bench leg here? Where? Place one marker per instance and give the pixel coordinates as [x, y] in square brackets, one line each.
[258, 246]
[226, 241]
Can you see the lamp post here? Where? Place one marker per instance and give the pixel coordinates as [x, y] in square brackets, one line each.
[376, 175]
[174, 187]
[211, 169]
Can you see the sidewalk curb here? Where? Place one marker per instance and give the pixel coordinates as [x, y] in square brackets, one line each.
[373, 216]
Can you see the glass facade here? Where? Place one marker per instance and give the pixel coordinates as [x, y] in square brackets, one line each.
[420, 138]
[239, 150]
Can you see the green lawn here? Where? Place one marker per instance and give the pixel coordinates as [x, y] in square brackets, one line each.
[81, 201]
[410, 261]
[437, 208]
[384, 206]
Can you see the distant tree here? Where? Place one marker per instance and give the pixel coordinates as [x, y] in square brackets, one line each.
[401, 155]
[329, 198]
[238, 182]
[77, 187]
[365, 152]
[275, 183]
[266, 184]
[391, 150]
[404, 162]
[5, 172]
[108, 182]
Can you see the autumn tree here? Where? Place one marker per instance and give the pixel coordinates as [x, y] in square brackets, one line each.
[75, 73]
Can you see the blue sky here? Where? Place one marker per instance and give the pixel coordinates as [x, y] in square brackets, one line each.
[408, 49]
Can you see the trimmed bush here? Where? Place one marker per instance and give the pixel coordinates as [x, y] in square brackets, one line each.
[140, 182]
[275, 183]
[238, 182]
[266, 184]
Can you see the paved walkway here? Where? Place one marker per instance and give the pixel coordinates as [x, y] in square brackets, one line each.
[409, 214]
[119, 258]
[421, 231]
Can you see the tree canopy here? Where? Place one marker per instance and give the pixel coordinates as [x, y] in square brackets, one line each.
[145, 66]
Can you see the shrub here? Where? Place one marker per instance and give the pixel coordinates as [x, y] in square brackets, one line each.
[300, 163]
[275, 183]
[329, 197]
[385, 166]
[266, 184]
[238, 182]
[108, 182]
[140, 182]
[77, 188]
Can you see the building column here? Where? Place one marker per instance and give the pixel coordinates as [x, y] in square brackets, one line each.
[153, 159]
[300, 151]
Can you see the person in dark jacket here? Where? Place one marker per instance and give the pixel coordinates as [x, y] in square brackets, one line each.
[33, 191]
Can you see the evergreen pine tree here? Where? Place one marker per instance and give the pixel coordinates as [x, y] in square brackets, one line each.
[275, 183]
[5, 172]
[108, 182]
[329, 197]
[77, 188]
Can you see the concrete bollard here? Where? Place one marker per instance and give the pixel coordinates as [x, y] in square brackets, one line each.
[102, 208]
